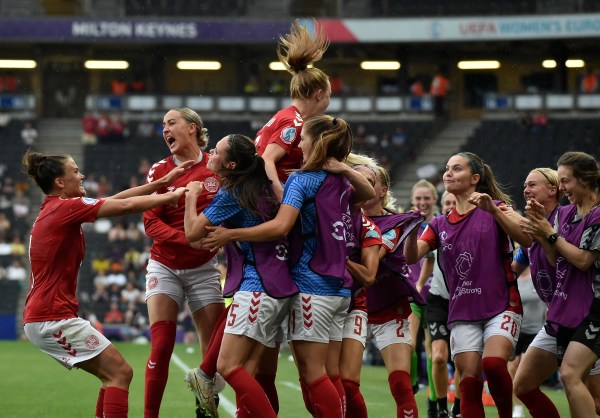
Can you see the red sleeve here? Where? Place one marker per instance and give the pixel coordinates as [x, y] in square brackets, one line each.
[159, 230]
[370, 234]
[429, 237]
[285, 134]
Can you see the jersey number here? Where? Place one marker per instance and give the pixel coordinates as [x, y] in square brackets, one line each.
[505, 325]
[232, 314]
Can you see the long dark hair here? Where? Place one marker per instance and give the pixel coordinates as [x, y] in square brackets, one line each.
[487, 182]
[248, 181]
[44, 168]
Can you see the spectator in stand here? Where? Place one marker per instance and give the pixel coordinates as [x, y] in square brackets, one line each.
[337, 84]
[118, 129]
[116, 277]
[540, 121]
[100, 297]
[91, 185]
[103, 128]
[138, 84]
[132, 232]
[117, 233]
[145, 131]
[416, 88]
[104, 187]
[100, 263]
[100, 279]
[17, 246]
[118, 86]
[114, 314]
[589, 82]
[2, 272]
[29, 134]
[144, 167]
[89, 124]
[4, 224]
[131, 294]
[438, 91]
[16, 271]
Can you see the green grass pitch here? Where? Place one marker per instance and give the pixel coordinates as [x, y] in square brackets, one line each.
[34, 385]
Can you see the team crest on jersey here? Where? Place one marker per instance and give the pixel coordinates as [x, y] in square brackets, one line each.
[211, 185]
[288, 134]
[89, 201]
[92, 342]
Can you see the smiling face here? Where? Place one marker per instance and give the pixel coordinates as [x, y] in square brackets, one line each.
[70, 183]
[423, 200]
[458, 177]
[537, 187]
[179, 134]
[571, 187]
[218, 156]
[449, 202]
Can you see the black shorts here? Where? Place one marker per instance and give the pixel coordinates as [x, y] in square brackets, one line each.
[436, 313]
[587, 333]
[523, 343]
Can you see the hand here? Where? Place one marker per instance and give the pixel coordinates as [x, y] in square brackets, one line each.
[537, 226]
[195, 188]
[334, 166]
[482, 201]
[217, 238]
[177, 171]
[196, 245]
[177, 193]
[534, 209]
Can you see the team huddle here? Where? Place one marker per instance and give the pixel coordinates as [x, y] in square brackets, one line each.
[318, 257]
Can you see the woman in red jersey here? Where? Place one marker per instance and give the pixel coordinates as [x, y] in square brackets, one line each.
[310, 91]
[57, 248]
[178, 270]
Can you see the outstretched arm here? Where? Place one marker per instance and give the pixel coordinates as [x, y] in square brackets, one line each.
[271, 230]
[153, 186]
[136, 204]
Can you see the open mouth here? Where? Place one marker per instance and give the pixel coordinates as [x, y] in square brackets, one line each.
[170, 140]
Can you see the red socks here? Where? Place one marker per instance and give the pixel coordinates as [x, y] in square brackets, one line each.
[306, 397]
[401, 387]
[325, 398]
[355, 403]
[162, 335]
[337, 382]
[100, 404]
[471, 404]
[538, 404]
[116, 402]
[500, 384]
[249, 394]
[267, 382]
[209, 362]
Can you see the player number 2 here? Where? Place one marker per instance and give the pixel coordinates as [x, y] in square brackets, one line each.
[513, 325]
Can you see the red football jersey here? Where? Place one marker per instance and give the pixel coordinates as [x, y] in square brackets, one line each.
[370, 235]
[165, 223]
[56, 250]
[284, 130]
